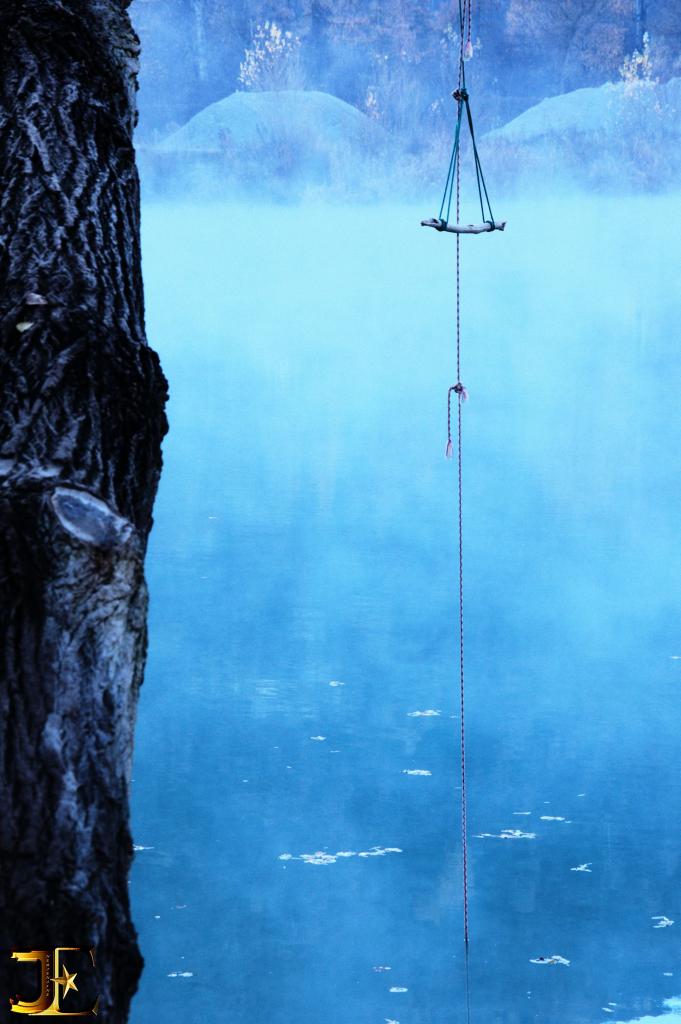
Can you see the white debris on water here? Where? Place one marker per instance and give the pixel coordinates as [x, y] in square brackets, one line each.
[553, 959]
[663, 921]
[672, 1013]
[586, 868]
[429, 713]
[317, 858]
[322, 857]
[507, 833]
[398, 988]
[416, 771]
[379, 851]
[181, 974]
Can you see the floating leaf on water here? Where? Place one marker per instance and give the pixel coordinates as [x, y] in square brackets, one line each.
[24, 325]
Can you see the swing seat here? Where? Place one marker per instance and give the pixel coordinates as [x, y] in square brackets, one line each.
[463, 229]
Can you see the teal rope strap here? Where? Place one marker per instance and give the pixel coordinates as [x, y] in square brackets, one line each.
[461, 96]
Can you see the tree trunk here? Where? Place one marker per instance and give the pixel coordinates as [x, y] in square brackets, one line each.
[81, 422]
[641, 24]
[200, 41]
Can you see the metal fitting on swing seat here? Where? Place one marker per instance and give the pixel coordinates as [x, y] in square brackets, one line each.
[460, 95]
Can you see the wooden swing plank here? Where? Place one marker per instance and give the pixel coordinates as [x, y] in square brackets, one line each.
[463, 229]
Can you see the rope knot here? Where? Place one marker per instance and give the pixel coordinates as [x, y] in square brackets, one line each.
[460, 95]
[460, 391]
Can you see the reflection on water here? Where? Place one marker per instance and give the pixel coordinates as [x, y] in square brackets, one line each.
[296, 794]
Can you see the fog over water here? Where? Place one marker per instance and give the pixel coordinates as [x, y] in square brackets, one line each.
[295, 799]
[296, 803]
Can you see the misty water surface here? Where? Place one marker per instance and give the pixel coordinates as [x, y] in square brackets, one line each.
[302, 577]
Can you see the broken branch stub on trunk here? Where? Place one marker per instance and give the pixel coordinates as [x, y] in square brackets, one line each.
[82, 417]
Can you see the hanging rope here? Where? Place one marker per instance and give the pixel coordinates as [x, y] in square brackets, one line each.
[460, 391]
[453, 187]
[452, 195]
[461, 95]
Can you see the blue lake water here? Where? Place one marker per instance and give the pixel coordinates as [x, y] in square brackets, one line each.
[302, 572]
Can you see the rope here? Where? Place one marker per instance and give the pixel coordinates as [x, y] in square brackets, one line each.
[454, 183]
[461, 96]
[461, 394]
[452, 194]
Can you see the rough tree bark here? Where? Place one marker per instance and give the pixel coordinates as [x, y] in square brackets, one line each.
[81, 421]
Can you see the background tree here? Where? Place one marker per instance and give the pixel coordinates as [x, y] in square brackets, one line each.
[81, 422]
[400, 52]
[588, 39]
